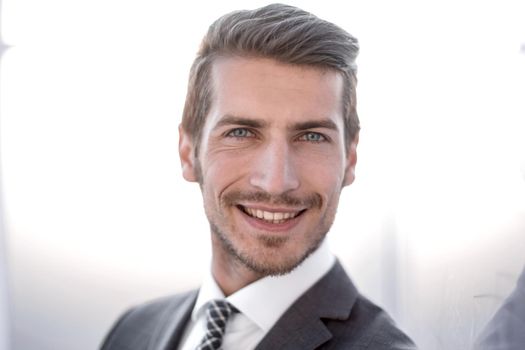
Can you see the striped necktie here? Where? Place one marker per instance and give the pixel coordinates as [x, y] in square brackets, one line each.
[217, 315]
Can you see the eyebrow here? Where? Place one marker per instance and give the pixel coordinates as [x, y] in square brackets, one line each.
[233, 120]
[260, 123]
[315, 124]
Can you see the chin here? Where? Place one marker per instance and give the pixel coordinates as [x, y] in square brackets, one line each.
[269, 255]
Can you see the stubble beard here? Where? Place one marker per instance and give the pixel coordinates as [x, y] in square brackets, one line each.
[264, 266]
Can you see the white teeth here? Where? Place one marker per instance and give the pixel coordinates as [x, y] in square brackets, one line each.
[273, 217]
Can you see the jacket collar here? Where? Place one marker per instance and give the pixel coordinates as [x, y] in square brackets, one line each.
[302, 326]
[168, 333]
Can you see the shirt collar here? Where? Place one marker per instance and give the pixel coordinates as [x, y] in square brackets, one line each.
[276, 293]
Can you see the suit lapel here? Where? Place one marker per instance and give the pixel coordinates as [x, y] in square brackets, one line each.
[302, 326]
[174, 319]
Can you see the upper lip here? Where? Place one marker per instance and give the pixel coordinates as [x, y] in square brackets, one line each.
[271, 213]
[271, 209]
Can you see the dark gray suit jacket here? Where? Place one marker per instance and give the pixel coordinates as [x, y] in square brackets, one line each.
[330, 315]
[506, 330]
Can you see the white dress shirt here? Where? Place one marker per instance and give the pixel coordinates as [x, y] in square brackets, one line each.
[260, 303]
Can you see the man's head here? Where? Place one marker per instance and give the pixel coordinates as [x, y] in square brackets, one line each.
[270, 133]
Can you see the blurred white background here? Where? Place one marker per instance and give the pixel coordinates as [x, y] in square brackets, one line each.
[96, 216]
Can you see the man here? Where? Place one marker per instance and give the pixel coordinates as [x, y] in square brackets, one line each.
[269, 132]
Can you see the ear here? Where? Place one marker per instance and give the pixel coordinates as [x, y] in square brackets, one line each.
[351, 160]
[187, 157]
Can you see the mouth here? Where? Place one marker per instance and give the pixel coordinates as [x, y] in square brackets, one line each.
[271, 217]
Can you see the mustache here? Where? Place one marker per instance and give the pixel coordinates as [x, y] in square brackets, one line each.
[310, 201]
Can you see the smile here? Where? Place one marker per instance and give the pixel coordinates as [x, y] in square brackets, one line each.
[277, 217]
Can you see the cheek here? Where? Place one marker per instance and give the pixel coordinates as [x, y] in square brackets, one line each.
[326, 174]
[222, 169]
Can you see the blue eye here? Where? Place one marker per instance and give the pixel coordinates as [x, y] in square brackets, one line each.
[240, 133]
[313, 137]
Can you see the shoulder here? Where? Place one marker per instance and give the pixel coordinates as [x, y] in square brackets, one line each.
[333, 315]
[505, 329]
[147, 323]
[355, 321]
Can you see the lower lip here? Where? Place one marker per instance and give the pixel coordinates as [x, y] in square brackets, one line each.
[268, 226]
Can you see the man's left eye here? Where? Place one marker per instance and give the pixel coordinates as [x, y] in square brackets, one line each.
[312, 137]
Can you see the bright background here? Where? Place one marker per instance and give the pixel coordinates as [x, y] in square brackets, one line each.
[96, 216]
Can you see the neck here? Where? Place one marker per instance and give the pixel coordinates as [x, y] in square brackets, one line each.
[229, 273]
[232, 275]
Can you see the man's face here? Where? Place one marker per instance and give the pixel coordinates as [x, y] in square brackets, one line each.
[271, 162]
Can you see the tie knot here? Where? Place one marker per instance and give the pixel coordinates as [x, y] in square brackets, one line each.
[220, 309]
[217, 315]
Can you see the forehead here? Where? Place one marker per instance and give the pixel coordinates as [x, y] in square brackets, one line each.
[265, 88]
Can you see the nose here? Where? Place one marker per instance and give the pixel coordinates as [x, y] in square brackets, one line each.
[275, 170]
